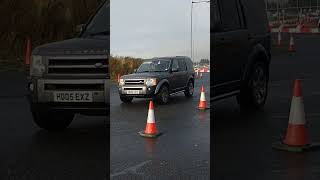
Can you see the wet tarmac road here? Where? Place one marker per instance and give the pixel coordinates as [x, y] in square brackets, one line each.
[242, 143]
[182, 152]
[27, 152]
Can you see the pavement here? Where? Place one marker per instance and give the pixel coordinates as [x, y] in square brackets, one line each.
[182, 152]
[27, 152]
[242, 143]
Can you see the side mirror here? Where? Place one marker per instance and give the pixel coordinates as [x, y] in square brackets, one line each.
[80, 28]
[135, 70]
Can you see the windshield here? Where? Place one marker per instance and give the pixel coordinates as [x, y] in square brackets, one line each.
[99, 24]
[154, 66]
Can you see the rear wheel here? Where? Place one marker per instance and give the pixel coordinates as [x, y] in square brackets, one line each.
[254, 91]
[189, 90]
[51, 120]
[126, 99]
[163, 96]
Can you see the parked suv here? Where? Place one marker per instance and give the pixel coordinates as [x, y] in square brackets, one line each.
[240, 51]
[72, 76]
[158, 78]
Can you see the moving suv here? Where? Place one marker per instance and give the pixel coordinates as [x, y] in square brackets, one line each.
[240, 51]
[72, 76]
[158, 78]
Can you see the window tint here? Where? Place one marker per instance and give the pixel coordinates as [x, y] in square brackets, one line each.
[230, 15]
[99, 25]
[215, 25]
[175, 64]
[182, 65]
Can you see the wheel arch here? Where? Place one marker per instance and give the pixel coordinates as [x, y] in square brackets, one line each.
[160, 84]
[257, 54]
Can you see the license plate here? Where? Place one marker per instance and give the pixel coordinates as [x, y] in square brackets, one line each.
[133, 92]
[73, 96]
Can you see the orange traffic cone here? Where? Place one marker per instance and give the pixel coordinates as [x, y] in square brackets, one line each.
[28, 52]
[118, 78]
[297, 138]
[202, 103]
[291, 45]
[151, 129]
[279, 38]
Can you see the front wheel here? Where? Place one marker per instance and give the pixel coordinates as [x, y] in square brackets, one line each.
[254, 90]
[189, 90]
[52, 121]
[163, 96]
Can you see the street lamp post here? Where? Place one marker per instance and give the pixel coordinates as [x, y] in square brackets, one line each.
[191, 28]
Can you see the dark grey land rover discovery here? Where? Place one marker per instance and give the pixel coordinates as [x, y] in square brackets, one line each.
[240, 52]
[158, 78]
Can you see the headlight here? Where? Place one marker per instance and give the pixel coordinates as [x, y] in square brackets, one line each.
[37, 67]
[121, 82]
[151, 82]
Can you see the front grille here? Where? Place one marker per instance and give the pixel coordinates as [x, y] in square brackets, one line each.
[78, 66]
[73, 87]
[132, 88]
[134, 82]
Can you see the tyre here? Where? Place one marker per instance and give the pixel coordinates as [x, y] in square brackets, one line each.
[163, 96]
[254, 90]
[126, 99]
[189, 90]
[52, 121]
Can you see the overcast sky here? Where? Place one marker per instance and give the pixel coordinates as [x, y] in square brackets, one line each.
[153, 28]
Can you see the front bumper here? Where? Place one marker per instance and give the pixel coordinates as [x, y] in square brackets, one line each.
[42, 98]
[143, 91]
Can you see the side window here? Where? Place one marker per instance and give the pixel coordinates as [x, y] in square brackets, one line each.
[189, 65]
[230, 15]
[215, 24]
[182, 65]
[175, 64]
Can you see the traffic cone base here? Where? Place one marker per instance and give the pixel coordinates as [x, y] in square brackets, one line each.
[297, 149]
[143, 134]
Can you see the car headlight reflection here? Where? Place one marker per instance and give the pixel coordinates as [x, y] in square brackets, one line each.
[151, 82]
[121, 82]
[37, 67]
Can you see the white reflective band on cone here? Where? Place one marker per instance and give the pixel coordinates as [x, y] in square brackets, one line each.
[202, 97]
[297, 115]
[151, 118]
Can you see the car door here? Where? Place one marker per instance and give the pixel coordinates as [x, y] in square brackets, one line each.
[229, 45]
[183, 73]
[175, 75]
